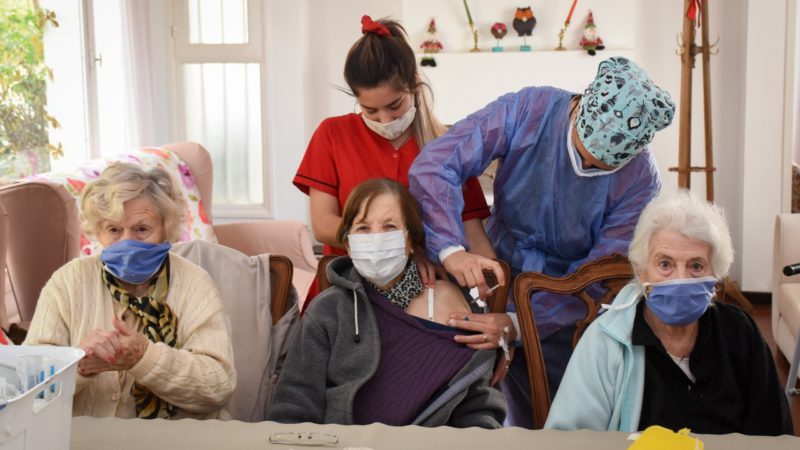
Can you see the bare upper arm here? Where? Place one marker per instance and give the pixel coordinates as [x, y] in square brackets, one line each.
[325, 216]
[477, 239]
[447, 299]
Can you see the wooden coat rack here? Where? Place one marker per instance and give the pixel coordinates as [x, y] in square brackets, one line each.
[688, 49]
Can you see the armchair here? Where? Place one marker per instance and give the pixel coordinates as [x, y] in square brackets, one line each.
[786, 290]
[612, 272]
[43, 220]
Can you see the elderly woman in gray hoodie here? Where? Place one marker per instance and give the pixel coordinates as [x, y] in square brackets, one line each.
[373, 347]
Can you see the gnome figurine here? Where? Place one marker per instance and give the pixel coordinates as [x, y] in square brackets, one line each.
[590, 41]
[430, 46]
[499, 31]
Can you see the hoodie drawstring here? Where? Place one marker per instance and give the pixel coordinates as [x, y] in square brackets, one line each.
[356, 338]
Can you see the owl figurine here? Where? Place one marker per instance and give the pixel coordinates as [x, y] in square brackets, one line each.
[524, 22]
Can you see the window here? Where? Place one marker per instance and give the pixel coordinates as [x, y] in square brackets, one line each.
[119, 83]
[25, 146]
[85, 95]
[218, 49]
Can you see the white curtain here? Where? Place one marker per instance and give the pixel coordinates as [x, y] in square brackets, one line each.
[145, 49]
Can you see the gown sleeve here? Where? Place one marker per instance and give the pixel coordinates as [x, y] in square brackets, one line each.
[436, 177]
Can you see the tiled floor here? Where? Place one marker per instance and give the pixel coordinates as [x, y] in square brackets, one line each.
[762, 316]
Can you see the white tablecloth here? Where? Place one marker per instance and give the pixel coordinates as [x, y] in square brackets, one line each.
[121, 434]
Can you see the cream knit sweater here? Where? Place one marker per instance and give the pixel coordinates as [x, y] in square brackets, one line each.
[197, 375]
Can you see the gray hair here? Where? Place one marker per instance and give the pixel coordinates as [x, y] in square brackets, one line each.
[103, 198]
[686, 214]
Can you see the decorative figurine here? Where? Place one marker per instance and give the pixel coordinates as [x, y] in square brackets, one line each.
[524, 22]
[430, 46]
[499, 31]
[590, 40]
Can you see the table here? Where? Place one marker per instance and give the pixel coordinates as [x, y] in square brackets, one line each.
[136, 434]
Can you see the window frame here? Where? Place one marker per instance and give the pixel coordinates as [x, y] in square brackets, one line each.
[184, 52]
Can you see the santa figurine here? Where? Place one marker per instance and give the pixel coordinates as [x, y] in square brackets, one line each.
[430, 46]
[590, 41]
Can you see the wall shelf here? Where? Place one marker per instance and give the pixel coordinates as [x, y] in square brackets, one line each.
[464, 82]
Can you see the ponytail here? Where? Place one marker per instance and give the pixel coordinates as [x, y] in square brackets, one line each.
[426, 126]
[383, 55]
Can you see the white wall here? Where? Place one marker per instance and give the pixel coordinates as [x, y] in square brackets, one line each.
[764, 137]
[307, 41]
[749, 84]
[747, 77]
[656, 28]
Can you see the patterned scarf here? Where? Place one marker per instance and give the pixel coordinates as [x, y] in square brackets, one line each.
[406, 288]
[160, 325]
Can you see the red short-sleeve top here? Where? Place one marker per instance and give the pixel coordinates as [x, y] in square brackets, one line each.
[343, 153]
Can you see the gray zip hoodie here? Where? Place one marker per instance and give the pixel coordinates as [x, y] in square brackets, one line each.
[337, 351]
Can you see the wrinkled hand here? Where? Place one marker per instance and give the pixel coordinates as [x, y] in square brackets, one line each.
[502, 366]
[427, 269]
[467, 268]
[488, 326]
[111, 350]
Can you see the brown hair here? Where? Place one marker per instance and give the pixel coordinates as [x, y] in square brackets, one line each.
[364, 193]
[374, 60]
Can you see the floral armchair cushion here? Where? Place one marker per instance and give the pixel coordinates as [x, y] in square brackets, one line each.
[196, 223]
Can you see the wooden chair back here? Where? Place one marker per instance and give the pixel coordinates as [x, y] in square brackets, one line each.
[610, 272]
[322, 275]
[496, 301]
[280, 278]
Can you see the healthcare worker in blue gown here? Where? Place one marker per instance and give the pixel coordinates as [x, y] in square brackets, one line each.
[574, 173]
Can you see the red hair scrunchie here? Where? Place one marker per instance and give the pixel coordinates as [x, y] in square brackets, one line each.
[370, 26]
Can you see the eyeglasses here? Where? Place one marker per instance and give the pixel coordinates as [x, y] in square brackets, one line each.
[304, 439]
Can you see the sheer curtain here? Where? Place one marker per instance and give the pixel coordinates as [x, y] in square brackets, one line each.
[145, 64]
[217, 94]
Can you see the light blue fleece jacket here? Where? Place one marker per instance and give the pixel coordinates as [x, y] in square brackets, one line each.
[603, 385]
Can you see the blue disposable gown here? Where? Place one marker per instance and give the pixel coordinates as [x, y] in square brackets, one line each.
[545, 218]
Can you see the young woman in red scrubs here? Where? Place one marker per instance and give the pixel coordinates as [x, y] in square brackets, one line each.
[395, 123]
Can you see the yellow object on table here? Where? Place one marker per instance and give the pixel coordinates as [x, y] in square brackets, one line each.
[659, 438]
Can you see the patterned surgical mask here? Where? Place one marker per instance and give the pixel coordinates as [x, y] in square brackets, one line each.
[393, 129]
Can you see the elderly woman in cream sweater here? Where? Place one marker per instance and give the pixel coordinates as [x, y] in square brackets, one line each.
[150, 322]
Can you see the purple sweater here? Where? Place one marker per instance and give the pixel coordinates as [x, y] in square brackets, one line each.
[416, 361]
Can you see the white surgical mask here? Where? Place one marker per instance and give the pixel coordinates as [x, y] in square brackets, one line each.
[379, 257]
[393, 129]
[577, 161]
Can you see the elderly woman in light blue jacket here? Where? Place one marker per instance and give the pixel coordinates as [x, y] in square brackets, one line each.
[666, 354]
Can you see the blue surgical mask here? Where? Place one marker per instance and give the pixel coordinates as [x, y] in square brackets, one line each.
[134, 261]
[680, 302]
